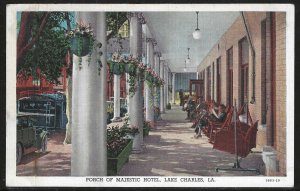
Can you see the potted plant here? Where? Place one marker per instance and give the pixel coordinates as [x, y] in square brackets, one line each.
[116, 64]
[131, 65]
[168, 106]
[146, 128]
[119, 146]
[149, 76]
[82, 40]
[156, 113]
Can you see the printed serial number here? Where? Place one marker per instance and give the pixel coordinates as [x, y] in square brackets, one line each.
[272, 180]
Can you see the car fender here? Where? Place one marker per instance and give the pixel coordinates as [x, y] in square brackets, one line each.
[40, 138]
[43, 134]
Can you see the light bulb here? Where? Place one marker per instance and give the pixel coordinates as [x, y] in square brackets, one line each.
[197, 34]
[184, 69]
[188, 61]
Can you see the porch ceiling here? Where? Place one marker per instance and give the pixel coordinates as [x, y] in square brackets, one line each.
[173, 32]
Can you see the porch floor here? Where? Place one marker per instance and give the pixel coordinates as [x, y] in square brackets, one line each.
[172, 150]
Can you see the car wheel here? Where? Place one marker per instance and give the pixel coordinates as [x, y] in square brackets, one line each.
[19, 151]
[44, 144]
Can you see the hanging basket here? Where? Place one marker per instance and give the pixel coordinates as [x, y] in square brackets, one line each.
[80, 46]
[116, 68]
[149, 77]
[130, 69]
[141, 71]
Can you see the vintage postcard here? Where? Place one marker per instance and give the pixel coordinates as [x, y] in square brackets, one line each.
[140, 95]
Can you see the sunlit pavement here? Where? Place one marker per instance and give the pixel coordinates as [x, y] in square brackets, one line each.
[56, 162]
[171, 150]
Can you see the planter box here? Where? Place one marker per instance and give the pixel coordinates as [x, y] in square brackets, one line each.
[146, 132]
[114, 165]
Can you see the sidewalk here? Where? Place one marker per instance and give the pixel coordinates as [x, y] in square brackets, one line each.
[171, 150]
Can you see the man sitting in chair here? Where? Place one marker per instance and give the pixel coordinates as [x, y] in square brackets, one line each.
[220, 117]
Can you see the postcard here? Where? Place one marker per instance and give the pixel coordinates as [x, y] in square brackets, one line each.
[150, 95]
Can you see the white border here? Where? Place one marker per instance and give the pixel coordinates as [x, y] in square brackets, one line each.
[12, 180]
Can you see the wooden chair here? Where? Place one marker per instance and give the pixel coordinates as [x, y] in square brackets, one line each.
[214, 126]
[225, 140]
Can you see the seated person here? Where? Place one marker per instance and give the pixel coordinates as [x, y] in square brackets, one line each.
[220, 117]
[191, 105]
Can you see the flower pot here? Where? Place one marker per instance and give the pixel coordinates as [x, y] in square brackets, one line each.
[80, 46]
[130, 69]
[116, 68]
[114, 165]
[146, 132]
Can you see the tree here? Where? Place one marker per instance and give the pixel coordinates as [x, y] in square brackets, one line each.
[41, 44]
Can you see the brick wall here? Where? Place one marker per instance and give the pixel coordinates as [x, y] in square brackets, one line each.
[281, 91]
[231, 39]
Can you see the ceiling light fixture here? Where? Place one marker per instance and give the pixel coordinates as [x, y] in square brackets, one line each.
[196, 33]
[188, 60]
[184, 69]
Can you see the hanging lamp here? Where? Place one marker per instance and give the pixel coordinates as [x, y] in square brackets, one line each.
[188, 60]
[196, 33]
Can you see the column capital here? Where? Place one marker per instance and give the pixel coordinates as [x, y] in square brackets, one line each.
[152, 40]
[139, 15]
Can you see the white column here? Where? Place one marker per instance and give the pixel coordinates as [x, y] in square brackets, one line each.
[166, 86]
[127, 94]
[89, 156]
[173, 87]
[116, 117]
[156, 69]
[136, 111]
[162, 97]
[149, 90]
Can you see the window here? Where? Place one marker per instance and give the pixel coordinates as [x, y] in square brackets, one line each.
[229, 76]
[36, 81]
[219, 80]
[208, 84]
[124, 30]
[244, 70]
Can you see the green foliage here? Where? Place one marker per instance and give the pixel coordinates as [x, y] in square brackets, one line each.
[114, 21]
[168, 106]
[48, 53]
[116, 139]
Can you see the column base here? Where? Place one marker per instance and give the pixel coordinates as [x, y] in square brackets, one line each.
[137, 151]
[116, 119]
[269, 157]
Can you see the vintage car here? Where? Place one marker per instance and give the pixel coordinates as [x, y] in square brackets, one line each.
[29, 137]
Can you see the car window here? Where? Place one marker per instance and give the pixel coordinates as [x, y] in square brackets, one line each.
[22, 121]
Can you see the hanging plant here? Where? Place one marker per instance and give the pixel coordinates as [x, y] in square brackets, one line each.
[82, 41]
[149, 77]
[116, 64]
[141, 70]
[130, 68]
